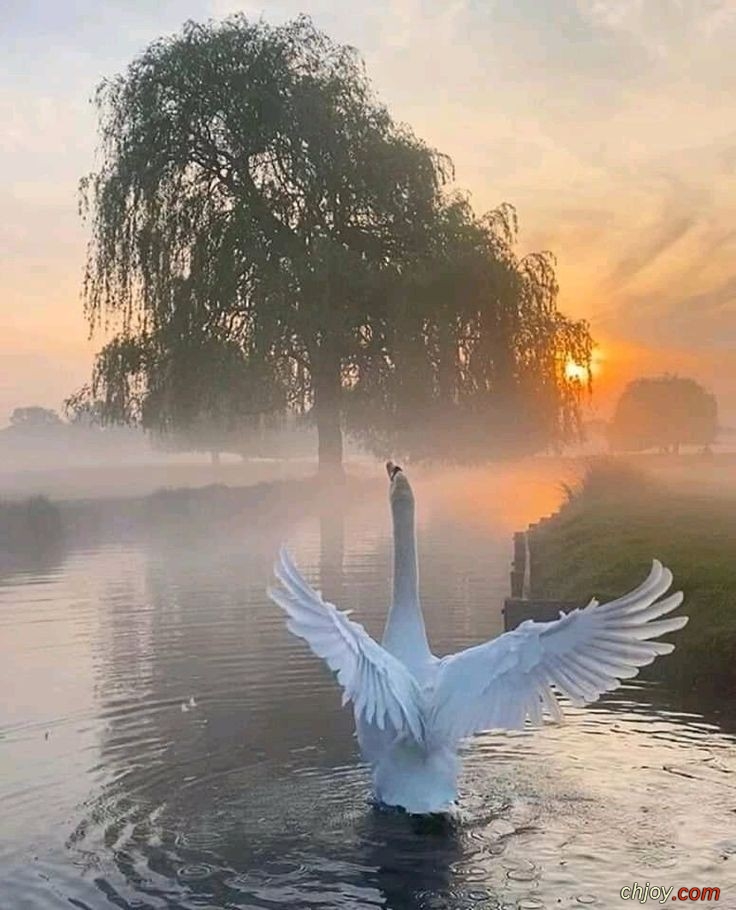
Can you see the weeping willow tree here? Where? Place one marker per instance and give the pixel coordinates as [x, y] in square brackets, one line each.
[265, 240]
[251, 195]
[477, 359]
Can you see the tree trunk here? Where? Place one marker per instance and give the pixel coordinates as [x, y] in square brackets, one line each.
[327, 414]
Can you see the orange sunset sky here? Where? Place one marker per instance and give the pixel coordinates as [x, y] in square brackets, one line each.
[609, 124]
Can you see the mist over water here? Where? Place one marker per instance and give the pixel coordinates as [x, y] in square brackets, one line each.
[165, 743]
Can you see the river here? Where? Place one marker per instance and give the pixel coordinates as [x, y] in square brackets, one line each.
[165, 743]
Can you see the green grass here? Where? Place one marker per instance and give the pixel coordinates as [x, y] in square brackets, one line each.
[602, 543]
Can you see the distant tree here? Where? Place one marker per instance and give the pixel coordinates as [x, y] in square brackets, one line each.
[34, 418]
[252, 197]
[664, 412]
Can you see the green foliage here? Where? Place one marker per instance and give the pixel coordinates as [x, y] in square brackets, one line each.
[605, 478]
[663, 412]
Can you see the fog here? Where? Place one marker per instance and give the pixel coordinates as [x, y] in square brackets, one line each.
[66, 462]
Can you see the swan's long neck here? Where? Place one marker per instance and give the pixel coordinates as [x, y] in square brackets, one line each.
[405, 636]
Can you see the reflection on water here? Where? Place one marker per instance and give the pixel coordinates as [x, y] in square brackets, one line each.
[164, 743]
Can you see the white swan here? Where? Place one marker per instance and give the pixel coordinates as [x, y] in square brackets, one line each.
[412, 708]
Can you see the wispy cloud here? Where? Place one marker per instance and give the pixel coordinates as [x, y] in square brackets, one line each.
[645, 253]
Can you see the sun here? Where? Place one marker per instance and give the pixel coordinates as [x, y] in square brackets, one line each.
[576, 371]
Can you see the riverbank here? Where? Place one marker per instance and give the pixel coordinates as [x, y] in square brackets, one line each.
[602, 542]
[39, 529]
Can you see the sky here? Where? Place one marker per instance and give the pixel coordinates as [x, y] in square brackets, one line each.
[608, 124]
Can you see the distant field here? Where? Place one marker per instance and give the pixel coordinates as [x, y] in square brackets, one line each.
[603, 540]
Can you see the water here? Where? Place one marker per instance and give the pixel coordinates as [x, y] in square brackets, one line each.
[164, 743]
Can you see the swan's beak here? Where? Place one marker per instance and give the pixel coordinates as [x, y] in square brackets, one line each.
[392, 469]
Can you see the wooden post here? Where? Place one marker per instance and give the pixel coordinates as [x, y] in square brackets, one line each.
[518, 568]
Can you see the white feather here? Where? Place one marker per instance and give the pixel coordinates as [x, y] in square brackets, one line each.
[583, 654]
[380, 687]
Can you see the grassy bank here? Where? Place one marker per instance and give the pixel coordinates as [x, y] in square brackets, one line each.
[602, 543]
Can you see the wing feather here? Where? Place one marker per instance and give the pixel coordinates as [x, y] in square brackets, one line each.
[583, 654]
[380, 687]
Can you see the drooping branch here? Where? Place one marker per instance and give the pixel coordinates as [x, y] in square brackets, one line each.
[260, 227]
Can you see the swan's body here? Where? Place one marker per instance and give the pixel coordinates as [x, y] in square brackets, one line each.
[412, 708]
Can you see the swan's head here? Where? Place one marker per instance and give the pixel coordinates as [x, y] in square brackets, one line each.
[400, 491]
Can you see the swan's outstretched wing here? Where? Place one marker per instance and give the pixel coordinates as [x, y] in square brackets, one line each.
[381, 688]
[589, 651]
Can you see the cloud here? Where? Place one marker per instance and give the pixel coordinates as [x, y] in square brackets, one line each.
[707, 318]
[647, 251]
[662, 26]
